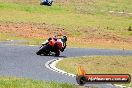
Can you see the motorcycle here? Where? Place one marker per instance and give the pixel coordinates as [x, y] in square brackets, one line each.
[48, 3]
[50, 48]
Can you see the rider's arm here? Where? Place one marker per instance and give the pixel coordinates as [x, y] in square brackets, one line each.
[45, 42]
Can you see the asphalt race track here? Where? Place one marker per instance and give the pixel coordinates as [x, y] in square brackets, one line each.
[22, 61]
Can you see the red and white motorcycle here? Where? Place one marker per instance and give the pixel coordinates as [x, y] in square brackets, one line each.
[52, 46]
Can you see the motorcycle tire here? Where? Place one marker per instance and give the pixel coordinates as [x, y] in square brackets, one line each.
[57, 55]
[43, 50]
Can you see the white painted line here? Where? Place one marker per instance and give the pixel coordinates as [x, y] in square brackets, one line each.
[7, 39]
[52, 66]
[121, 86]
[32, 45]
[129, 13]
[111, 11]
[121, 12]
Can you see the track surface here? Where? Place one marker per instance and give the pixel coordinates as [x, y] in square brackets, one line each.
[21, 61]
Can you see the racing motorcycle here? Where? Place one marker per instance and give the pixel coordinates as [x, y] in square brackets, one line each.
[50, 48]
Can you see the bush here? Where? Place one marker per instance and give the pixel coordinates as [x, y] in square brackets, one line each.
[129, 28]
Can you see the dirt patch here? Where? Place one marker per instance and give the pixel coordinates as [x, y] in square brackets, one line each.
[31, 30]
[43, 31]
[106, 36]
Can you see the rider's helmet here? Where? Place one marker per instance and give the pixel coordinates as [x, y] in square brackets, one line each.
[52, 40]
[64, 38]
[55, 37]
[52, 43]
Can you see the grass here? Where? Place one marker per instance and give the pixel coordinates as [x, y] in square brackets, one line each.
[30, 8]
[82, 44]
[64, 16]
[115, 5]
[98, 65]
[100, 45]
[10, 82]
[76, 17]
[23, 41]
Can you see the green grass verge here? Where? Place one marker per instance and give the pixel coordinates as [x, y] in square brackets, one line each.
[65, 16]
[99, 65]
[9, 82]
[121, 46]
[20, 40]
[77, 22]
[7, 37]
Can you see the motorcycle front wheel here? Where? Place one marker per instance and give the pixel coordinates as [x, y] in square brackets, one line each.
[43, 50]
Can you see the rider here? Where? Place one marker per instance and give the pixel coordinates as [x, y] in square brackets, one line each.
[58, 43]
[63, 40]
[50, 38]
